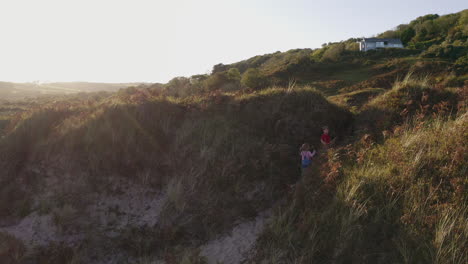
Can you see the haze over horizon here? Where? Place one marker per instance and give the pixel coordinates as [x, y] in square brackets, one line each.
[154, 41]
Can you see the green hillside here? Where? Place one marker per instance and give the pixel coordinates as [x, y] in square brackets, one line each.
[435, 46]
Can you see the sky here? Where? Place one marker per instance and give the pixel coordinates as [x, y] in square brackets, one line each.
[156, 40]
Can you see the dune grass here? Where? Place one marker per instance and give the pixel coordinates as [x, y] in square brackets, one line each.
[400, 202]
[208, 153]
[410, 97]
[358, 74]
[386, 198]
[355, 99]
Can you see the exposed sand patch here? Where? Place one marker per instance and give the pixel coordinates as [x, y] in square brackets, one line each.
[135, 207]
[34, 230]
[234, 247]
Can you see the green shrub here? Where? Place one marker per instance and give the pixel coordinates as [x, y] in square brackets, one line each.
[334, 52]
[446, 51]
[407, 35]
[216, 81]
[253, 78]
[178, 86]
[461, 65]
[234, 74]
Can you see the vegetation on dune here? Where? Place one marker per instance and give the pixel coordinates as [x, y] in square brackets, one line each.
[196, 148]
[409, 97]
[403, 201]
[435, 45]
[354, 100]
[223, 146]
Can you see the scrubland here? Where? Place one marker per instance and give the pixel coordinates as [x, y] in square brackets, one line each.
[167, 173]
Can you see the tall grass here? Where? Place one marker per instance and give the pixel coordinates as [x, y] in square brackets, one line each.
[404, 202]
[412, 97]
[206, 152]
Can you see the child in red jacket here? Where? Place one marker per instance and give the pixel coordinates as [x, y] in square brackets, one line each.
[325, 138]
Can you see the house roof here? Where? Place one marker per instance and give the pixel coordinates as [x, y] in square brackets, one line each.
[397, 41]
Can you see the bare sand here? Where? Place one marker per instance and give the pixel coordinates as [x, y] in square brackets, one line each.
[234, 248]
[135, 207]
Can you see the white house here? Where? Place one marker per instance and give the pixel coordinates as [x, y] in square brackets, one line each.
[374, 43]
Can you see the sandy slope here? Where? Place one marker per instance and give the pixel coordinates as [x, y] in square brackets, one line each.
[233, 248]
[135, 207]
[34, 230]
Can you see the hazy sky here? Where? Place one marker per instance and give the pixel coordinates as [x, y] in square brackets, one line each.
[155, 40]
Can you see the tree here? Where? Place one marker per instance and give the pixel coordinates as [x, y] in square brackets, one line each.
[422, 19]
[317, 54]
[389, 34]
[252, 78]
[178, 86]
[333, 53]
[407, 35]
[199, 77]
[463, 21]
[234, 74]
[198, 82]
[352, 46]
[218, 68]
[216, 81]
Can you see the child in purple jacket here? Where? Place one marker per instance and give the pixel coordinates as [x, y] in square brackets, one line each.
[306, 155]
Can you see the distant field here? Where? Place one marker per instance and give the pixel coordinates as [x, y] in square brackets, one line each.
[15, 91]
